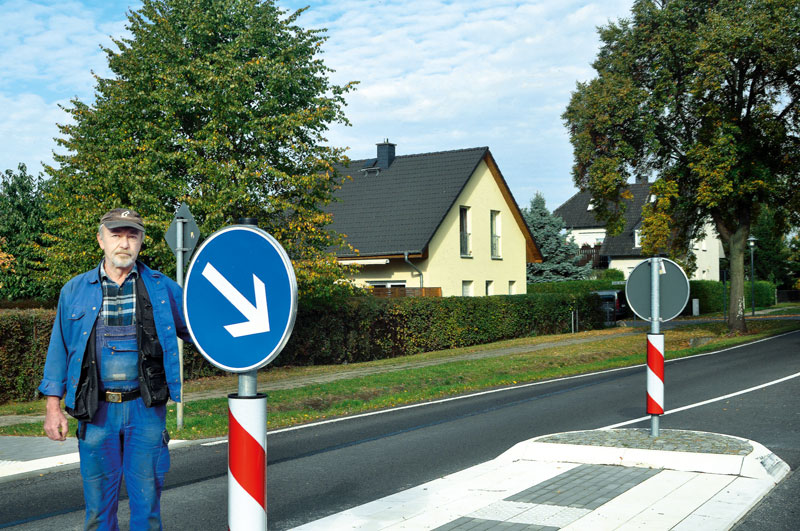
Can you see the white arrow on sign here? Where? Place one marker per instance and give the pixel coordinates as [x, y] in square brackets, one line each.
[257, 316]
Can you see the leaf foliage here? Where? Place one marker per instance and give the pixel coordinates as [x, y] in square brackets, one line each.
[222, 104]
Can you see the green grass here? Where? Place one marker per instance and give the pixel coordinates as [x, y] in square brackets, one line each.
[208, 418]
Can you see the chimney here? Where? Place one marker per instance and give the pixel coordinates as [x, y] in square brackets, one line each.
[641, 179]
[385, 154]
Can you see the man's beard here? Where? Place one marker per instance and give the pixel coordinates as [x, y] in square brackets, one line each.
[122, 261]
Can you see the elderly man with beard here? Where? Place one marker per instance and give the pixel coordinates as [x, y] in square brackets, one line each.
[113, 359]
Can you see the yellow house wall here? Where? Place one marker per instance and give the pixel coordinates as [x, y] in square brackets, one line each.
[446, 268]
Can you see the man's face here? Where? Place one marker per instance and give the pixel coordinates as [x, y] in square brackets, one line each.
[121, 246]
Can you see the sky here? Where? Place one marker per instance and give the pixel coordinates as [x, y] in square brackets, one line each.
[433, 75]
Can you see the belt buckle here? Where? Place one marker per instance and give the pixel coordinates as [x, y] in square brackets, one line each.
[114, 397]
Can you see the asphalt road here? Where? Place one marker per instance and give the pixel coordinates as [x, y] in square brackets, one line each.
[323, 469]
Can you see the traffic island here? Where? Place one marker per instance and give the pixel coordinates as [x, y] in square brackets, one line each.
[598, 479]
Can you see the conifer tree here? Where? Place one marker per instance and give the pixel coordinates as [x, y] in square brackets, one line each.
[559, 254]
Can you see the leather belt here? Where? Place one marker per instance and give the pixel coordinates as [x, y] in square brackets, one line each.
[117, 397]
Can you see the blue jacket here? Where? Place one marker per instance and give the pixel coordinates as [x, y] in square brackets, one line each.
[79, 305]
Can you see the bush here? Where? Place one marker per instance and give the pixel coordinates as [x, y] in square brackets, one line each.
[574, 287]
[367, 328]
[710, 294]
[349, 330]
[608, 274]
[24, 337]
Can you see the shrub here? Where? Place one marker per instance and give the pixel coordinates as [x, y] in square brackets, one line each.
[574, 287]
[608, 274]
[712, 297]
[367, 328]
[24, 337]
[351, 329]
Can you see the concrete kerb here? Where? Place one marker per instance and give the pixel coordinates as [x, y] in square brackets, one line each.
[759, 463]
[548, 483]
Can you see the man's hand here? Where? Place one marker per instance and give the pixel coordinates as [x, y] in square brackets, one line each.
[55, 422]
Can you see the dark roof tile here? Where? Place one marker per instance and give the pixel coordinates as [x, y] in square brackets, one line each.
[576, 215]
[399, 209]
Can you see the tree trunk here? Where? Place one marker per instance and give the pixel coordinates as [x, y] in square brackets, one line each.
[737, 246]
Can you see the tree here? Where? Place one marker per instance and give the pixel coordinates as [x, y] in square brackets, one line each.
[559, 254]
[222, 104]
[704, 95]
[771, 251]
[6, 263]
[21, 226]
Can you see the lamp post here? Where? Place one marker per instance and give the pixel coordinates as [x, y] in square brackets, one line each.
[751, 241]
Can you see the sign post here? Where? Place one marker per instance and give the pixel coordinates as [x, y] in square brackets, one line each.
[240, 303]
[657, 290]
[182, 236]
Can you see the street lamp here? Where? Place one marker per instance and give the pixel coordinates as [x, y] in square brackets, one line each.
[751, 241]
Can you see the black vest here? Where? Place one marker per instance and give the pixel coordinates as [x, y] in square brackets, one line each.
[152, 379]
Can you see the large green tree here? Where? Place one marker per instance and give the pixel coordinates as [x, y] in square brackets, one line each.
[559, 253]
[21, 225]
[772, 256]
[703, 95]
[223, 104]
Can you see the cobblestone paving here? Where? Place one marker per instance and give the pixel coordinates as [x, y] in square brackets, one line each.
[668, 440]
[557, 502]
[585, 487]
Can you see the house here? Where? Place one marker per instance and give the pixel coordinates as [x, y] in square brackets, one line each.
[624, 251]
[444, 220]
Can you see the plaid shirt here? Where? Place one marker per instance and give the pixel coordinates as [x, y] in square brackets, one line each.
[119, 302]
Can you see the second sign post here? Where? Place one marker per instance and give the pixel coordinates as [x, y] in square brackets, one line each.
[240, 303]
[657, 290]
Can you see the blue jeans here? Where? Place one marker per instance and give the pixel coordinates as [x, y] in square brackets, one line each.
[130, 440]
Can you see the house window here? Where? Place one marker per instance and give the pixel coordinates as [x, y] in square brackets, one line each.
[464, 229]
[466, 288]
[489, 287]
[495, 228]
[637, 238]
[387, 283]
[512, 287]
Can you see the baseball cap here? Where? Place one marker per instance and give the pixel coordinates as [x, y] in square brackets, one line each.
[122, 217]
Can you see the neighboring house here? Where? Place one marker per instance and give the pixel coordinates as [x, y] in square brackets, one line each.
[624, 251]
[442, 219]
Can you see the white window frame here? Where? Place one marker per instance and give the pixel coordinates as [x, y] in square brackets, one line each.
[495, 235]
[465, 231]
[466, 288]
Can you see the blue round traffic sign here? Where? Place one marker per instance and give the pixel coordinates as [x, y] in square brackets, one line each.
[240, 298]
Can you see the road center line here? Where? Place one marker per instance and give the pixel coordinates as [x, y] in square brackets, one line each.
[706, 402]
[543, 382]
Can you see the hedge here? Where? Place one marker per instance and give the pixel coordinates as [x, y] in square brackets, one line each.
[368, 328]
[709, 292]
[574, 287]
[357, 329]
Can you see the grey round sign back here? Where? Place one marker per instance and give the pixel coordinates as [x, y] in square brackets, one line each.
[674, 290]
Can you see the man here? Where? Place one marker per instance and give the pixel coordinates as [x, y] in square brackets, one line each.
[113, 357]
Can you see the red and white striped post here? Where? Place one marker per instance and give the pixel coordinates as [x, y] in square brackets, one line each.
[655, 374]
[247, 462]
[655, 331]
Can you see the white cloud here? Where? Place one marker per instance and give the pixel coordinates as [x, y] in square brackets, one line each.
[434, 74]
[27, 128]
[48, 50]
[445, 75]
